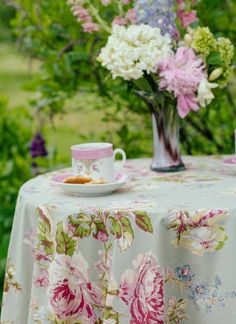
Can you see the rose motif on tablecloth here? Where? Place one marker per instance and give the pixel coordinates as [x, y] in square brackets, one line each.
[176, 311]
[199, 231]
[41, 278]
[72, 294]
[9, 280]
[141, 289]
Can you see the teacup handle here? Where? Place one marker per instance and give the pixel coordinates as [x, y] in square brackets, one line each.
[123, 154]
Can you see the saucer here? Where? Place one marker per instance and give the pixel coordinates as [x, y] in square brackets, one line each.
[231, 161]
[89, 190]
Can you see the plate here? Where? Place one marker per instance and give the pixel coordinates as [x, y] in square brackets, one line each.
[89, 190]
[231, 161]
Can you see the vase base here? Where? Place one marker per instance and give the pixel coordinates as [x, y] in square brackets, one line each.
[174, 168]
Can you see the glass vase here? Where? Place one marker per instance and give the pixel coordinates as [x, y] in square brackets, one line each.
[166, 153]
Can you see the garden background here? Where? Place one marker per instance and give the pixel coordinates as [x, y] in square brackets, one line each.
[51, 83]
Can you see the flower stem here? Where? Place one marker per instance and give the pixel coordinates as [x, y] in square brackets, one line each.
[120, 7]
[94, 12]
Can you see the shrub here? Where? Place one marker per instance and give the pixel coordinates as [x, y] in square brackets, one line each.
[15, 168]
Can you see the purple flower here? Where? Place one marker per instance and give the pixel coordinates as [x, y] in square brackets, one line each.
[157, 13]
[37, 146]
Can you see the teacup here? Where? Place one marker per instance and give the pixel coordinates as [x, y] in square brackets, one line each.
[95, 160]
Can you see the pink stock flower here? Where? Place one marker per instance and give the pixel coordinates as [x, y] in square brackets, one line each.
[181, 74]
[90, 27]
[142, 290]
[105, 2]
[187, 18]
[131, 15]
[180, 4]
[72, 295]
[82, 14]
[119, 21]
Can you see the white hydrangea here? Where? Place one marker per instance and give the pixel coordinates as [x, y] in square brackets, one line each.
[132, 50]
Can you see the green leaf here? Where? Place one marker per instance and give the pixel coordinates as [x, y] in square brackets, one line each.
[65, 243]
[220, 246]
[115, 227]
[109, 313]
[127, 236]
[214, 59]
[143, 221]
[44, 234]
[99, 227]
[83, 230]
[142, 84]
[82, 225]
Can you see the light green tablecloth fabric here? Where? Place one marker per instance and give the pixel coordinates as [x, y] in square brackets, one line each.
[161, 250]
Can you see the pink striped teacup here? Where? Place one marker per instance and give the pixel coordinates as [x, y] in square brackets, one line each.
[95, 160]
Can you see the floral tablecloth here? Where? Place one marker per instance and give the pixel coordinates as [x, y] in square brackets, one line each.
[160, 250]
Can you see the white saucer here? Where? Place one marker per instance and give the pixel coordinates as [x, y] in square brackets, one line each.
[89, 190]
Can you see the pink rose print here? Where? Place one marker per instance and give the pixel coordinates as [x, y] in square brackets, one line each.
[41, 279]
[72, 295]
[199, 231]
[141, 289]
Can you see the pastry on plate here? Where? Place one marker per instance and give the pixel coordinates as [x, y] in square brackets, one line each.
[77, 180]
[97, 181]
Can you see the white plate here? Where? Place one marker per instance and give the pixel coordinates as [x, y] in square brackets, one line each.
[89, 190]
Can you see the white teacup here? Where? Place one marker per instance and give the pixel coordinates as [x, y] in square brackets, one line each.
[95, 160]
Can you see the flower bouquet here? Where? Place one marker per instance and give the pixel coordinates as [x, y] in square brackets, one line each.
[174, 64]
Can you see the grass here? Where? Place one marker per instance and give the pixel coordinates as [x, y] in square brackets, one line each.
[82, 117]
[14, 73]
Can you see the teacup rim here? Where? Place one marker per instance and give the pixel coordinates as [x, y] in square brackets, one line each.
[91, 146]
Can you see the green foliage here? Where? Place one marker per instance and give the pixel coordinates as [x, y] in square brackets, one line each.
[15, 134]
[65, 243]
[6, 14]
[49, 32]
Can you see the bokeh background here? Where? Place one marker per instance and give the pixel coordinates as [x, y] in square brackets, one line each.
[54, 94]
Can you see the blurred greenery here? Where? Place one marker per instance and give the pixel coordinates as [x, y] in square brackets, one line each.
[15, 167]
[50, 33]
[72, 99]
[6, 14]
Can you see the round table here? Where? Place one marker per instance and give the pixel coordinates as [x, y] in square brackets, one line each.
[160, 250]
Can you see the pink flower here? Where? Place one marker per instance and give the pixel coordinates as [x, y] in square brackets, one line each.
[81, 13]
[105, 262]
[131, 15]
[41, 279]
[90, 27]
[102, 236]
[105, 2]
[72, 295]
[142, 290]
[181, 74]
[119, 21]
[187, 18]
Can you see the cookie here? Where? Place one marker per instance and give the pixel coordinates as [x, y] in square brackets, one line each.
[77, 180]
